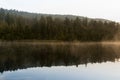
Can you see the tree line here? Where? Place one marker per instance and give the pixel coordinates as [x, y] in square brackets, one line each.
[16, 27]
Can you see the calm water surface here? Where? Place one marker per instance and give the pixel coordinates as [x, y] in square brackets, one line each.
[59, 61]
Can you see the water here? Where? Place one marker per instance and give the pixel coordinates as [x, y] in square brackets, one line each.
[59, 61]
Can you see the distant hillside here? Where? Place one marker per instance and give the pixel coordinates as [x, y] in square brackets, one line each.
[36, 15]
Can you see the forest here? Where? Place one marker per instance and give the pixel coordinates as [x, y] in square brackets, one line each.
[17, 27]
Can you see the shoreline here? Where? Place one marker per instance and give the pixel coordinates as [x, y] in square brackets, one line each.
[57, 42]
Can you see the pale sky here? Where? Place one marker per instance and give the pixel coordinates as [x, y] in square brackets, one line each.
[107, 9]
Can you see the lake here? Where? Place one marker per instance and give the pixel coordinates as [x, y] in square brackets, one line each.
[59, 61]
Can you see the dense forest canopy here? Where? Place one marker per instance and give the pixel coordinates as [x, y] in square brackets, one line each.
[18, 27]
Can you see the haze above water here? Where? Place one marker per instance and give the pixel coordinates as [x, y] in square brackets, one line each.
[59, 61]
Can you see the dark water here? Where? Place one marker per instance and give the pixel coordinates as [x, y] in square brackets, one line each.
[59, 61]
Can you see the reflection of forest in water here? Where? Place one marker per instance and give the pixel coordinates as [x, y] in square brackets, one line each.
[20, 56]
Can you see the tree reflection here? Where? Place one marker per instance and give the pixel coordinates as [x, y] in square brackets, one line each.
[14, 56]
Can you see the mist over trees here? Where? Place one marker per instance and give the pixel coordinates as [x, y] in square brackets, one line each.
[17, 27]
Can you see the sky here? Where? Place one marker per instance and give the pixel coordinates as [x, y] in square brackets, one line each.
[107, 9]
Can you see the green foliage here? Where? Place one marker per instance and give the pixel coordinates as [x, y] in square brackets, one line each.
[16, 27]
